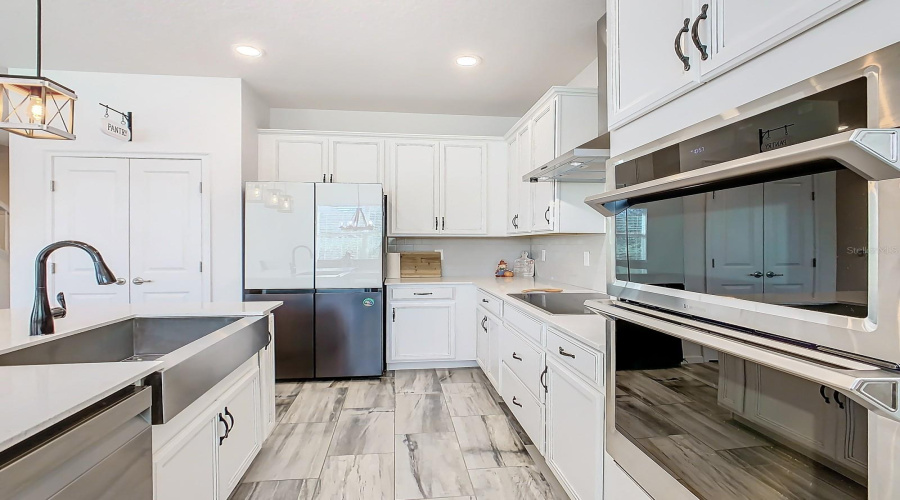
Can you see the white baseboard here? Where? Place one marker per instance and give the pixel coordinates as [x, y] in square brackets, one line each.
[424, 365]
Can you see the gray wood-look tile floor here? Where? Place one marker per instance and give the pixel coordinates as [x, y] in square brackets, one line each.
[673, 415]
[412, 434]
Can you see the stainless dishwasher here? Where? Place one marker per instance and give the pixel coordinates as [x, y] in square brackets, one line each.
[102, 452]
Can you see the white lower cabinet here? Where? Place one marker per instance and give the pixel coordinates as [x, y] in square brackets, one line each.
[428, 324]
[240, 442]
[574, 441]
[529, 412]
[482, 340]
[209, 453]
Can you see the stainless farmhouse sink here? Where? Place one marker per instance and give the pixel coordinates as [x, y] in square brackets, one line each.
[197, 353]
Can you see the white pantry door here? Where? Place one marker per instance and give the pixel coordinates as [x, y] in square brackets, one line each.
[90, 204]
[166, 231]
[734, 236]
[789, 234]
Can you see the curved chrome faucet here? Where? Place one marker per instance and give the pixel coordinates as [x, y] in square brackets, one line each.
[42, 315]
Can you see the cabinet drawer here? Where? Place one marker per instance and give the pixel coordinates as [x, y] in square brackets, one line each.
[524, 323]
[526, 361]
[441, 292]
[489, 302]
[584, 361]
[527, 410]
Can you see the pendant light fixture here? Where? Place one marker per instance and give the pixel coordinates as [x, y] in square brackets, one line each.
[359, 222]
[35, 106]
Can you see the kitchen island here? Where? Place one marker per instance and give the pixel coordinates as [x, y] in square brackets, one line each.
[40, 400]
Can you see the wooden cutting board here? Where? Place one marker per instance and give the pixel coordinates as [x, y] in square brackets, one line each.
[420, 264]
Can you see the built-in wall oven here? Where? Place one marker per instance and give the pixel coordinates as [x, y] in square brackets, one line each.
[754, 342]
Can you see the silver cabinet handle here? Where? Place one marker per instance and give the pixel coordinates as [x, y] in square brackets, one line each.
[140, 281]
[121, 281]
[757, 274]
[772, 274]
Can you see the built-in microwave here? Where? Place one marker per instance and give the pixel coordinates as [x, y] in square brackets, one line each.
[780, 219]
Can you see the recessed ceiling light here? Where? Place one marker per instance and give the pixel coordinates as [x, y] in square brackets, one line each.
[247, 50]
[468, 60]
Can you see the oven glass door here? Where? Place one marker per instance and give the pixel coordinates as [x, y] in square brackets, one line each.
[693, 422]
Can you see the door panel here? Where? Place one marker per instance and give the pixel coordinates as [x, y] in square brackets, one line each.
[543, 130]
[349, 236]
[166, 230]
[349, 334]
[464, 188]
[302, 159]
[523, 155]
[744, 29]
[236, 451]
[789, 234]
[277, 259]
[414, 187]
[186, 467]
[645, 70]
[734, 231]
[355, 160]
[90, 204]
[512, 189]
[423, 331]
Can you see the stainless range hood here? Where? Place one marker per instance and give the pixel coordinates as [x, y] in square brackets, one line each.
[586, 163]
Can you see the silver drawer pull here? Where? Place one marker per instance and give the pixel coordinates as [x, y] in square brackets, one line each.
[423, 293]
[516, 356]
[563, 352]
[516, 402]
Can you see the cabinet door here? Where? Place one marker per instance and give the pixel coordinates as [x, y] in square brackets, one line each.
[495, 332]
[241, 442]
[523, 157]
[80, 214]
[267, 383]
[738, 30]
[854, 450]
[513, 179]
[791, 407]
[482, 341]
[463, 188]
[543, 207]
[414, 179]
[301, 159]
[166, 229]
[543, 134]
[186, 467]
[357, 160]
[574, 422]
[645, 71]
[423, 331]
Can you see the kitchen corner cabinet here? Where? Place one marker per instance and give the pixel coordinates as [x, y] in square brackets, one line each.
[430, 323]
[303, 157]
[438, 188]
[660, 49]
[562, 119]
[214, 445]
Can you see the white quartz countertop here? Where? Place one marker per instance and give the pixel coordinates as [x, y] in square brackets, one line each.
[33, 398]
[589, 329]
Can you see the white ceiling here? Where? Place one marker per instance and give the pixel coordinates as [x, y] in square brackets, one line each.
[373, 55]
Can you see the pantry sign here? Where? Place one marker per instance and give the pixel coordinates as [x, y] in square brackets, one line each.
[116, 124]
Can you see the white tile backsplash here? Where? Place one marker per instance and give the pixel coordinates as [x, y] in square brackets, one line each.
[479, 256]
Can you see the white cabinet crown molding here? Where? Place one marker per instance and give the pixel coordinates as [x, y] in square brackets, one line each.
[380, 135]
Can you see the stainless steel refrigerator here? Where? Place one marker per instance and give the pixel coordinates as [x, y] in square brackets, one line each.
[320, 249]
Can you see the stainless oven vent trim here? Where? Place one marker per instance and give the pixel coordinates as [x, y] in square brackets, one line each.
[848, 381]
[871, 153]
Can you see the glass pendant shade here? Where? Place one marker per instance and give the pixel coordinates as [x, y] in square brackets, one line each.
[254, 192]
[286, 204]
[36, 107]
[272, 198]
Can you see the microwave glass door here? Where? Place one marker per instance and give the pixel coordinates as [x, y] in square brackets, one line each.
[727, 428]
[797, 240]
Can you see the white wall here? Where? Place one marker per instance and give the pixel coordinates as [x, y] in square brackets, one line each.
[565, 259]
[391, 123]
[173, 115]
[867, 27]
[588, 77]
[254, 116]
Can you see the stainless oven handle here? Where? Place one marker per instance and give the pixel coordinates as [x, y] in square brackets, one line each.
[878, 390]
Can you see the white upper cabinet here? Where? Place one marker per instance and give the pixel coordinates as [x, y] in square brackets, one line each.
[735, 31]
[438, 187]
[660, 49]
[357, 160]
[463, 197]
[414, 195]
[523, 157]
[512, 182]
[645, 67]
[301, 159]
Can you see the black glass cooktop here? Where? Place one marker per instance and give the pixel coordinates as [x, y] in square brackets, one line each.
[559, 303]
